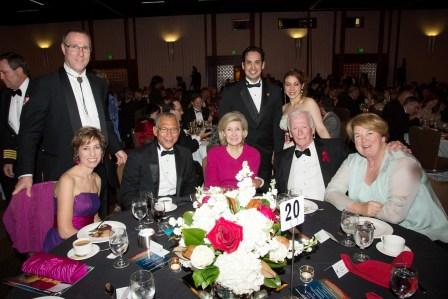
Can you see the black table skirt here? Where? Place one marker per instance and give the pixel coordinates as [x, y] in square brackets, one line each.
[431, 262]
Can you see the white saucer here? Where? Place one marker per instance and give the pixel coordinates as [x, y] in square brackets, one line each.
[49, 297]
[381, 249]
[171, 208]
[381, 228]
[71, 254]
[309, 206]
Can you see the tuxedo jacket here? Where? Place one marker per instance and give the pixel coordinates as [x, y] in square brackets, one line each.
[8, 144]
[331, 152]
[190, 115]
[48, 122]
[141, 173]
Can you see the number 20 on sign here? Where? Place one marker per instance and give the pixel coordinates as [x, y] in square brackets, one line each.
[291, 212]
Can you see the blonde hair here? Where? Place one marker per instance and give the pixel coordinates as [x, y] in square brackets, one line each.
[226, 120]
[370, 121]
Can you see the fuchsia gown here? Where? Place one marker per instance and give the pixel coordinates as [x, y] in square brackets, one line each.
[84, 209]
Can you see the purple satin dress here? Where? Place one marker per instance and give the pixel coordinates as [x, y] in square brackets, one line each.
[84, 209]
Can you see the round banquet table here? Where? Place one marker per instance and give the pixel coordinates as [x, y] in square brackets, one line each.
[430, 260]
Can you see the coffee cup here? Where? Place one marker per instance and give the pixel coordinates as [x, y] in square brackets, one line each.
[82, 246]
[144, 237]
[166, 201]
[393, 244]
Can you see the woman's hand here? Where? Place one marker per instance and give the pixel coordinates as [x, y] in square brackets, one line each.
[395, 146]
[370, 208]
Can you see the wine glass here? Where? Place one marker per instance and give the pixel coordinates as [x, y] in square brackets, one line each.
[118, 243]
[306, 274]
[348, 222]
[149, 198]
[363, 238]
[403, 281]
[142, 285]
[159, 214]
[139, 210]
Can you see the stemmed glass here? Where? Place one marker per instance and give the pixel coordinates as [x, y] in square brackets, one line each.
[403, 281]
[139, 210]
[159, 214]
[149, 198]
[118, 243]
[363, 237]
[348, 223]
[142, 285]
[306, 274]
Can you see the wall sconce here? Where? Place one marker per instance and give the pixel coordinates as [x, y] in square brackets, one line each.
[297, 34]
[45, 44]
[431, 33]
[170, 39]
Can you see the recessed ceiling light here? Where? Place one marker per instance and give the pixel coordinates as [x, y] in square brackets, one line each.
[153, 2]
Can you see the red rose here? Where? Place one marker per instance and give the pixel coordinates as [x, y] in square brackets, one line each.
[267, 212]
[325, 157]
[205, 199]
[226, 235]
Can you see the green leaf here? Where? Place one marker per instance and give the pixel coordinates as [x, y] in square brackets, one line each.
[193, 236]
[275, 265]
[188, 217]
[273, 283]
[205, 277]
[265, 202]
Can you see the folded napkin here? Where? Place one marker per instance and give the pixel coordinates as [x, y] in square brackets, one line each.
[373, 295]
[376, 271]
[55, 267]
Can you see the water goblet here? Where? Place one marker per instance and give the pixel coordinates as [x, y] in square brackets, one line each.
[348, 223]
[159, 213]
[139, 210]
[118, 243]
[363, 238]
[403, 281]
[306, 275]
[142, 285]
[148, 197]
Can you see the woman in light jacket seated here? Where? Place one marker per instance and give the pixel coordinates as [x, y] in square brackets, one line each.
[77, 190]
[390, 186]
[226, 160]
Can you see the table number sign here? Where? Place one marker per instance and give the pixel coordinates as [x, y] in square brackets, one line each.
[291, 212]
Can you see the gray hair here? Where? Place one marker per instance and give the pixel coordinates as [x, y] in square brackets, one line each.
[299, 112]
[166, 115]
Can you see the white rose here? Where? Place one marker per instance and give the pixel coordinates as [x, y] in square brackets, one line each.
[172, 221]
[202, 256]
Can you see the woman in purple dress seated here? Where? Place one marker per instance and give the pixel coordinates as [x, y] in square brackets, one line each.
[225, 161]
[77, 190]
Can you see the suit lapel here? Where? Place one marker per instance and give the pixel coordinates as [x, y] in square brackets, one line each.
[69, 98]
[179, 170]
[154, 166]
[287, 162]
[94, 84]
[324, 168]
[265, 96]
[249, 102]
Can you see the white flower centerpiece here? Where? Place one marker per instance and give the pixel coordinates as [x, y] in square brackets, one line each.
[233, 238]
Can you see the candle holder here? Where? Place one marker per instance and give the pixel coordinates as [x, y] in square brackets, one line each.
[175, 265]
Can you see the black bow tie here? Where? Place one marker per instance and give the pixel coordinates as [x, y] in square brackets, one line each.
[16, 92]
[306, 152]
[249, 85]
[171, 152]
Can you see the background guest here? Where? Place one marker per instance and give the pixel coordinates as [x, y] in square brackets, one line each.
[143, 132]
[330, 119]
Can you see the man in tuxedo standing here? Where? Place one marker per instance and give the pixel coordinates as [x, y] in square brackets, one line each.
[14, 72]
[261, 104]
[59, 104]
[161, 167]
[308, 167]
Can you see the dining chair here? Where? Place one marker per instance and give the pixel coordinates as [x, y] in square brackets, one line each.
[344, 116]
[425, 144]
[440, 188]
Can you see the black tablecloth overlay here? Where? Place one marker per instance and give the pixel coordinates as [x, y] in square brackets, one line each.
[431, 262]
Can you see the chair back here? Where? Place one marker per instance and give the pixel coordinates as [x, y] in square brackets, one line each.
[28, 219]
[344, 116]
[440, 188]
[425, 144]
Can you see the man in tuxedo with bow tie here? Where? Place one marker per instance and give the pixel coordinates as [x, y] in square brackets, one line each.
[162, 167]
[195, 112]
[14, 73]
[59, 104]
[261, 103]
[308, 167]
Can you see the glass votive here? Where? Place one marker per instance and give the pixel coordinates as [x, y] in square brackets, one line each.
[175, 265]
[144, 237]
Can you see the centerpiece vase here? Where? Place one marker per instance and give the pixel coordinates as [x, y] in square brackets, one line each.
[220, 292]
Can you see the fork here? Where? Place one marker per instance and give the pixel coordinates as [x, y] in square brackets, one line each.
[101, 222]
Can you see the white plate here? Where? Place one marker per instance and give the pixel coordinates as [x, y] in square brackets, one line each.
[84, 232]
[49, 297]
[71, 253]
[171, 208]
[381, 228]
[381, 249]
[309, 206]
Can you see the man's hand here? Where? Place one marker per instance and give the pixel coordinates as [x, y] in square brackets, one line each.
[121, 157]
[395, 146]
[25, 182]
[8, 170]
[204, 134]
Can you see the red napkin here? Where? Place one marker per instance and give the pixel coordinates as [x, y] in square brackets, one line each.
[376, 271]
[55, 267]
[373, 295]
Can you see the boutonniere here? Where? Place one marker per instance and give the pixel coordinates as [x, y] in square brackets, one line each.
[325, 157]
[25, 100]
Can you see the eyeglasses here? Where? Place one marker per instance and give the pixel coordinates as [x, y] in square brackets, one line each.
[77, 48]
[170, 130]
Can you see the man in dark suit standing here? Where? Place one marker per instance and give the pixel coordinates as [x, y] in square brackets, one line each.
[59, 104]
[261, 104]
[162, 167]
[14, 73]
[308, 167]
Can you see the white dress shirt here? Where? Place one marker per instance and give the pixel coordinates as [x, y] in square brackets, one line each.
[306, 177]
[15, 107]
[198, 115]
[255, 93]
[167, 173]
[89, 117]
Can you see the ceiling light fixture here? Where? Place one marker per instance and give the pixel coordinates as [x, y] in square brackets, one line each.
[154, 2]
[37, 2]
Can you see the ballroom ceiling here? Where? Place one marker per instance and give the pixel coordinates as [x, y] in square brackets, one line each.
[16, 12]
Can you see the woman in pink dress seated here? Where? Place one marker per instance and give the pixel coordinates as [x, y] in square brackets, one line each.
[226, 160]
[77, 190]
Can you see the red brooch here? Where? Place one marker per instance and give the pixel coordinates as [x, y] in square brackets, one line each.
[325, 157]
